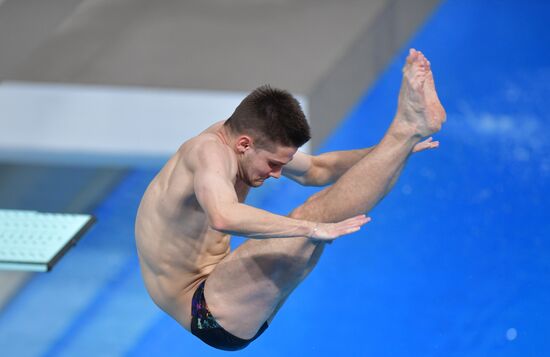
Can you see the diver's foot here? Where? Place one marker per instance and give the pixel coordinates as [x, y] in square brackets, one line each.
[419, 106]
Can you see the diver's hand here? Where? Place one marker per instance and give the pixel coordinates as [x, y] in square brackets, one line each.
[331, 231]
[426, 145]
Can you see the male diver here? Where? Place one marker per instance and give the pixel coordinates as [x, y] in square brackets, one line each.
[196, 202]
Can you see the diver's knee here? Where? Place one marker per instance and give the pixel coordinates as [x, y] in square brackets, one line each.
[297, 213]
[317, 195]
[309, 208]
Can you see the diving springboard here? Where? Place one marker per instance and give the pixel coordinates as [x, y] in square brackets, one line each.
[35, 241]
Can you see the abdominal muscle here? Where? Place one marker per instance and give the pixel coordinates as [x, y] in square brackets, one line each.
[177, 249]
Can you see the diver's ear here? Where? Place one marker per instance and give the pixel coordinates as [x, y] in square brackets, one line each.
[244, 143]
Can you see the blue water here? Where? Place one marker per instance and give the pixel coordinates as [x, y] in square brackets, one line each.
[455, 263]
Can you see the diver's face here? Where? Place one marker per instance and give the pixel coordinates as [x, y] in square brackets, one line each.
[261, 164]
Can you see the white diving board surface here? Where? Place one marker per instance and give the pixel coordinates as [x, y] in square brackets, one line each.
[35, 241]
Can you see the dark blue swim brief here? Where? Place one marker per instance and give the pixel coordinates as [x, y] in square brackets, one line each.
[205, 327]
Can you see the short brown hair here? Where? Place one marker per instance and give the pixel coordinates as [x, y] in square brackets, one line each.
[270, 116]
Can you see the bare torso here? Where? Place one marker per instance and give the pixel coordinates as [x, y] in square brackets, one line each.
[177, 249]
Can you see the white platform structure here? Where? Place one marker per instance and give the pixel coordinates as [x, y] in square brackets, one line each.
[36, 241]
[327, 52]
[98, 125]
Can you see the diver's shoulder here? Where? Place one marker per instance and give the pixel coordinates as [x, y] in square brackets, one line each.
[204, 140]
[205, 149]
